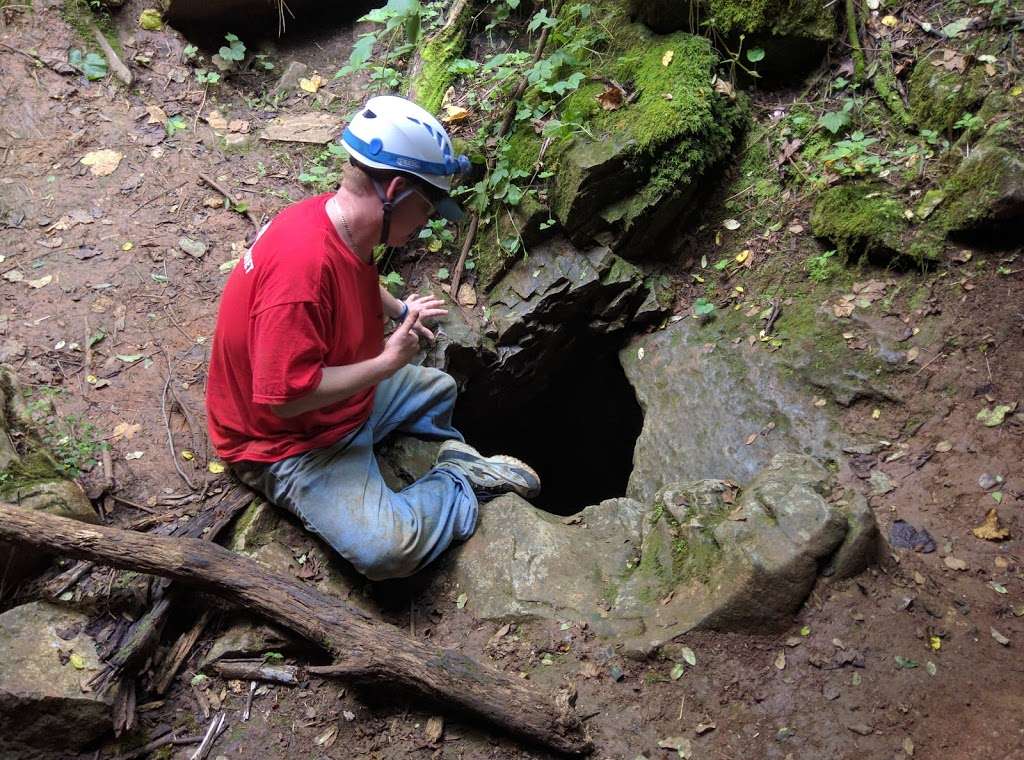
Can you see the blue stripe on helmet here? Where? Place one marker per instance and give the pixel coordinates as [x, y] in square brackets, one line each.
[375, 152]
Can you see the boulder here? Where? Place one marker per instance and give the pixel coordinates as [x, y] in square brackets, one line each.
[276, 540]
[47, 659]
[545, 306]
[940, 91]
[33, 480]
[793, 33]
[703, 399]
[986, 194]
[700, 555]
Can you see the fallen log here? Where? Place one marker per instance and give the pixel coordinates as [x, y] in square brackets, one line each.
[364, 649]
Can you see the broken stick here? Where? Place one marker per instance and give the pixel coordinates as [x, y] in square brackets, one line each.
[365, 649]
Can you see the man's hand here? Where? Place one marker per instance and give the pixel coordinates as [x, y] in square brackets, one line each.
[403, 344]
[427, 307]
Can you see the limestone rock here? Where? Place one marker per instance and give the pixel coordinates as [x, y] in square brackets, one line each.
[404, 459]
[940, 94]
[794, 34]
[986, 192]
[700, 557]
[702, 401]
[277, 541]
[558, 298]
[862, 543]
[288, 82]
[47, 658]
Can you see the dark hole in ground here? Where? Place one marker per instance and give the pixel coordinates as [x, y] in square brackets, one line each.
[577, 432]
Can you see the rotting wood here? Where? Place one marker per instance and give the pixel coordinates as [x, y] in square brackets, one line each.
[117, 67]
[179, 653]
[258, 670]
[363, 647]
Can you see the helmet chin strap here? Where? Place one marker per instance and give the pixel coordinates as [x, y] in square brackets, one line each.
[387, 206]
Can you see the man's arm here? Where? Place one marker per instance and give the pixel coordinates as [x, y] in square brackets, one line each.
[392, 306]
[338, 383]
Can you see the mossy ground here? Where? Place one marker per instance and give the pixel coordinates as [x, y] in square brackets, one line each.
[78, 14]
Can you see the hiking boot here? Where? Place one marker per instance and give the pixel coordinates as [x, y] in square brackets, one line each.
[490, 476]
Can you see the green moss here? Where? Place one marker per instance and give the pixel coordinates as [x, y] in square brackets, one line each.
[978, 182]
[781, 18]
[939, 97]
[435, 75]
[860, 219]
[77, 14]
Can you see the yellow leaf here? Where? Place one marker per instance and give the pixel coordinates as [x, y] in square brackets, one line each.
[102, 162]
[1017, 91]
[122, 429]
[312, 84]
[215, 467]
[127, 246]
[990, 529]
[742, 255]
[187, 455]
[935, 643]
[77, 661]
[876, 413]
[890, 21]
[455, 114]
[667, 58]
[739, 289]
[91, 379]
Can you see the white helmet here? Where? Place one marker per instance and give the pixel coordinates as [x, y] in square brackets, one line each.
[396, 134]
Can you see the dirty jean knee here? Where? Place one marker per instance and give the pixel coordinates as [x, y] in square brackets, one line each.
[339, 493]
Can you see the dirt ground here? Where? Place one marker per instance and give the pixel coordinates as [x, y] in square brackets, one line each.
[828, 685]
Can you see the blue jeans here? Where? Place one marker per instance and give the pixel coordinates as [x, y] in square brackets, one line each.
[339, 494]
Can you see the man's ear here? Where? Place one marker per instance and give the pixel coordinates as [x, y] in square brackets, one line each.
[396, 186]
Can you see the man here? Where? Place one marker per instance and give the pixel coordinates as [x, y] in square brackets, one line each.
[302, 382]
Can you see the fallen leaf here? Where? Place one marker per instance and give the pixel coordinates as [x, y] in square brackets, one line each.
[703, 728]
[467, 295]
[931, 668]
[187, 455]
[455, 114]
[890, 21]
[750, 439]
[999, 637]
[77, 661]
[731, 224]
[990, 529]
[680, 744]
[723, 87]
[908, 747]
[328, 737]
[14, 276]
[905, 663]
[311, 84]
[216, 120]
[102, 162]
[943, 446]
[999, 588]
[128, 358]
[780, 661]
[41, 282]
[689, 656]
[134, 455]
[995, 416]
[677, 671]
[157, 115]
[215, 467]
[743, 256]
[435, 729]
[125, 430]
[935, 643]
[84, 252]
[461, 600]
[912, 354]
[955, 564]
[666, 59]
[611, 98]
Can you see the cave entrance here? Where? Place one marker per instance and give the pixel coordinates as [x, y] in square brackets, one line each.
[577, 429]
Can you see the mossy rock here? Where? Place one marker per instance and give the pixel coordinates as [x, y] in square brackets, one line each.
[986, 194]
[628, 178]
[793, 33]
[868, 220]
[939, 97]
[432, 74]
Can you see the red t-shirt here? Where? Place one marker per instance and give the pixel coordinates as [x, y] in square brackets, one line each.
[298, 301]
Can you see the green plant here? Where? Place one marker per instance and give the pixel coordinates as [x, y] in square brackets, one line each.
[189, 53]
[852, 157]
[205, 77]
[969, 121]
[322, 173]
[436, 235]
[92, 65]
[174, 125]
[823, 267]
[403, 23]
[234, 51]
